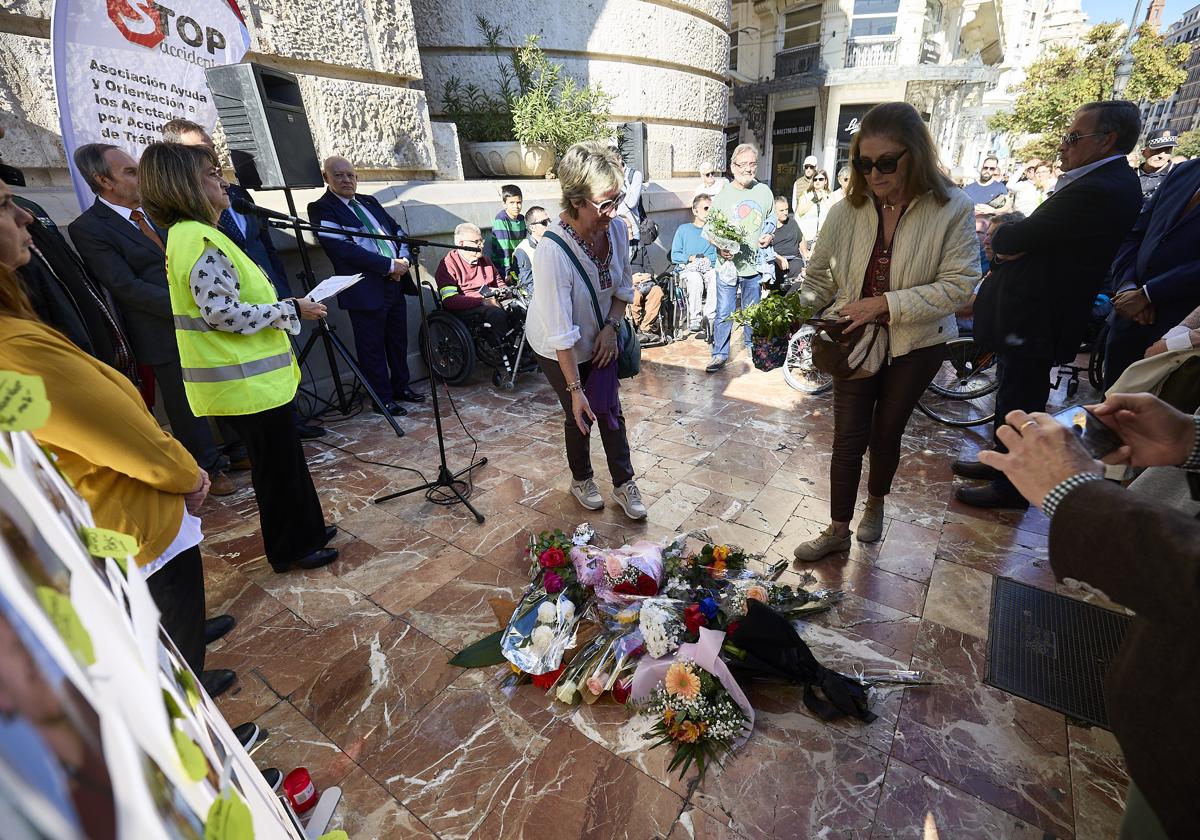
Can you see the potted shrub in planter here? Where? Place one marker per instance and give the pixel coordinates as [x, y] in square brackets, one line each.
[536, 115]
[772, 324]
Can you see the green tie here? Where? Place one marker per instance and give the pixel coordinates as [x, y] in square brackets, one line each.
[383, 245]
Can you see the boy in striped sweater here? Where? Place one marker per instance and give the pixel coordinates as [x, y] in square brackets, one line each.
[508, 230]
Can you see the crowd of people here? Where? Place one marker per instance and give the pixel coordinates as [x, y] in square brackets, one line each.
[172, 296]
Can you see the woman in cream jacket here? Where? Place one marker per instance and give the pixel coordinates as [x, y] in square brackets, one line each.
[900, 250]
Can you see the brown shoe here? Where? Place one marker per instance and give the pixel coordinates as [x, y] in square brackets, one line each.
[222, 485]
[240, 464]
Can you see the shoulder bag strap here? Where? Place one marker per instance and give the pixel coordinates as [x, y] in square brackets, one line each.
[561, 243]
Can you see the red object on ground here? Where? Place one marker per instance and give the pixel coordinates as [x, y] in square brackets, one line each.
[300, 790]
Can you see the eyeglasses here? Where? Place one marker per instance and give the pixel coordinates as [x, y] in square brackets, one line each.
[1074, 137]
[750, 164]
[609, 204]
[885, 165]
[545, 221]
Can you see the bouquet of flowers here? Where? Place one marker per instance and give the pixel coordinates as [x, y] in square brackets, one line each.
[790, 602]
[699, 709]
[601, 666]
[711, 569]
[662, 626]
[542, 626]
[620, 575]
[723, 233]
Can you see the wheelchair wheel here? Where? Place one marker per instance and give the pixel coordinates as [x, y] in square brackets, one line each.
[967, 373]
[798, 370]
[447, 347]
[1096, 363]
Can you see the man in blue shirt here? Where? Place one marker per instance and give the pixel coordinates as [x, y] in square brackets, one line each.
[698, 259]
[989, 193]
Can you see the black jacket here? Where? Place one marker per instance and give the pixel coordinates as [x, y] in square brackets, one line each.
[134, 270]
[1038, 306]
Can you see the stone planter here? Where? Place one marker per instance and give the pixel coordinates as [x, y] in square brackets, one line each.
[510, 159]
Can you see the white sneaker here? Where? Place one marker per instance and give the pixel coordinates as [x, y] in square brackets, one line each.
[630, 498]
[587, 494]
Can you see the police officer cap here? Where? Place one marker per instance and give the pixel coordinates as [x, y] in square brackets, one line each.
[1162, 139]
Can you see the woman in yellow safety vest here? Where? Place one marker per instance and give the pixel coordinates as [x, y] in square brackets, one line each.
[234, 349]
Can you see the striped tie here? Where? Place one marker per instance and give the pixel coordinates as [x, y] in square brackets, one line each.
[383, 245]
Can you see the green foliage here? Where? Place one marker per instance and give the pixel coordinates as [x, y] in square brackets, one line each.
[1189, 144]
[480, 654]
[779, 316]
[552, 109]
[480, 116]
[1067, 77]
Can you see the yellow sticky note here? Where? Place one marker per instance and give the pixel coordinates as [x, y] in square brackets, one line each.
[66, 621]
[336, 834]
[229, 818]
[101, 542]
[23, 403]
[189, 754]
[4, 459]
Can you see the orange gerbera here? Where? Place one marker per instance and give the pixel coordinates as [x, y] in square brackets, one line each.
[757, 592]
[689, 733]
[681, 681]
[720, 553]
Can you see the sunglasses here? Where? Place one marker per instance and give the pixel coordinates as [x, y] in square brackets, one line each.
[885, 165]
[609, 204]
[819, 180]
[1074, 137]
[545, 221]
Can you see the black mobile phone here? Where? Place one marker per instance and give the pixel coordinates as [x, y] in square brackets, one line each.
[1097, 438]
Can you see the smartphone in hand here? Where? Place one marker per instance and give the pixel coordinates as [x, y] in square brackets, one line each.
[1098, 439]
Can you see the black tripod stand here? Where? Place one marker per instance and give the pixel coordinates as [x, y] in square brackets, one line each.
[445, 480]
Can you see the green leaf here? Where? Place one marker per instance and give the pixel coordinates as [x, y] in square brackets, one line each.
[229, 818]
[481, 654]
[336, 834]
[190, 756]
[188, 683]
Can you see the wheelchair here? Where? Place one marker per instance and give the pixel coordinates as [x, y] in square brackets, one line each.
[450, 347]
[671, 324]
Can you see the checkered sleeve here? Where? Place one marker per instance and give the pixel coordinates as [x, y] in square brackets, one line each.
[1192, 464]
[1055, 496]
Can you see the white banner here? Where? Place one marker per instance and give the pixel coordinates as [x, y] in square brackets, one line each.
[122, 68]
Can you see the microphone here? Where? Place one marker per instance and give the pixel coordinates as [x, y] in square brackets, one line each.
[249, 208]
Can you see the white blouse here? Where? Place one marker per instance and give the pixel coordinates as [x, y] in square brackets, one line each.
[561, 315]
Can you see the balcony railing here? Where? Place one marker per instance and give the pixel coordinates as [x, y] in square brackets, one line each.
[931, 52]
[797, 61]
[871, 52]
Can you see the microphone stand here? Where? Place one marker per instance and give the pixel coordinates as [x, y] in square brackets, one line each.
[445, 480]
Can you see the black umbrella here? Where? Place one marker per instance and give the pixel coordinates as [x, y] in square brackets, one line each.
[774, 650]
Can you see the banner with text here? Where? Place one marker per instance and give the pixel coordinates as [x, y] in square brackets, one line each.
[122, 68]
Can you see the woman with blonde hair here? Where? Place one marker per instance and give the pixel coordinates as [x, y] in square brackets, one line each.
[237, 360]
[813, 210]
[582, 283]
[898, 257]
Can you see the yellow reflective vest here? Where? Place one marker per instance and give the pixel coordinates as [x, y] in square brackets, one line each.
[226, 373]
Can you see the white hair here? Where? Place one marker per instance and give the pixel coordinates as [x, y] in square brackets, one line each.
[465, 228]
[744, 147]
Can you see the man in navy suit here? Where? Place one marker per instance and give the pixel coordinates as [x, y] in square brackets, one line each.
[1156, 272]
[376, 303]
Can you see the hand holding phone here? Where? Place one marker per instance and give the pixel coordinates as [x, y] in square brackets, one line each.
[1097, 438]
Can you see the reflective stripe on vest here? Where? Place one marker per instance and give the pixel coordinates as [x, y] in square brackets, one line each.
[448, 292]
[183, 322]
[226, 373]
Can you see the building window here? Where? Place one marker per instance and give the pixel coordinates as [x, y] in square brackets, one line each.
[802, 26]
[733, 50]
[874, 17]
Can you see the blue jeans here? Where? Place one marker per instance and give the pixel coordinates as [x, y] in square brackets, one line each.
[726, 301]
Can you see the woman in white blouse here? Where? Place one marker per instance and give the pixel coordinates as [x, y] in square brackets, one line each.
[581, 267]
[813, 207]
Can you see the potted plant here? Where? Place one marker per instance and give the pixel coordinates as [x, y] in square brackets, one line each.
[772, 324]
[537, 114]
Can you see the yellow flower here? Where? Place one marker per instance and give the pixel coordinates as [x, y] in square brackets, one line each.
[627, 616]
[514, 668]
[688, 732]
[668, 716]
[720, 553]
[682, 682]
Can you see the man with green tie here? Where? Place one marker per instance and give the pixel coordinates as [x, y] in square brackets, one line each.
[376, 303]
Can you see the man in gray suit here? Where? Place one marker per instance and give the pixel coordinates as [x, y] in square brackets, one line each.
[126, 252]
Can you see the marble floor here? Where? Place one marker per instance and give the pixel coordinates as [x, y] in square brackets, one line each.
[347, 665]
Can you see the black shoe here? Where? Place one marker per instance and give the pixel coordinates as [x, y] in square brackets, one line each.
[274, 777]
[974, 469]
[319, 558]
[409, 395]
[217, 682]
[392, 408]
[991, 495]
[217, 627]
[251, 736]
[309, 432]
[330, 532]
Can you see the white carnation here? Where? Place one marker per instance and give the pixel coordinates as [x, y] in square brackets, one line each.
[546, 613]
[542, 639]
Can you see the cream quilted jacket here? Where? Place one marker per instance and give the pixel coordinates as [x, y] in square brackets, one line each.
[935, 266]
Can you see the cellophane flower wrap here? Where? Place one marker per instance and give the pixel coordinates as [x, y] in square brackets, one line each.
[620, 575]
[542, 627]
[697, 707]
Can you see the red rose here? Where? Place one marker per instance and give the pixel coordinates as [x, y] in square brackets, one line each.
[545, 681]
[552, 582]
[693, 619]
[732, 628]
[646, 585]
[552, 558]
[621, 689]
[625, 588]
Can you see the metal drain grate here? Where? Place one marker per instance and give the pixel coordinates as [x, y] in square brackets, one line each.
[1052, 649]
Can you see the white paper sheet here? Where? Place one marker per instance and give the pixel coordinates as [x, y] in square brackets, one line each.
[330, 286]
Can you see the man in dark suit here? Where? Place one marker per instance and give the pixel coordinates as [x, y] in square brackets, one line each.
[1144, 555]
[126, 252]
[376, 303]
[1157, 271]
[250, 233]
[1035, 305]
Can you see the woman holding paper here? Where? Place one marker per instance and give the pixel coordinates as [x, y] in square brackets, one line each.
[233, 346]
